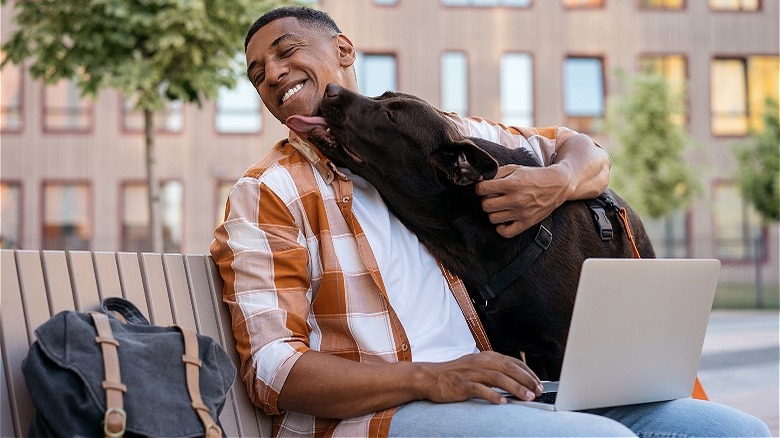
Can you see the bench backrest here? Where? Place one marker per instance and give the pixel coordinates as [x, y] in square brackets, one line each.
[167, 288]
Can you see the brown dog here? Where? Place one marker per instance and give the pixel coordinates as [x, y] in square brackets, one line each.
[426, 170]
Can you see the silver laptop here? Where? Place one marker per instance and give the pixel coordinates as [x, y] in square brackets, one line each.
[636, 333]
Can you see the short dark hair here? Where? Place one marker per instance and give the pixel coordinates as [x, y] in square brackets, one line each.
[309, 16]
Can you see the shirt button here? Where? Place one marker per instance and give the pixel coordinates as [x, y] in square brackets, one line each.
[404, 347]
[345, 199]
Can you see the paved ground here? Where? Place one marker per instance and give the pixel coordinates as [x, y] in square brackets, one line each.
[740, 363]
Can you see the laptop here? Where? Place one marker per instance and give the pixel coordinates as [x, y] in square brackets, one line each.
[636, 333]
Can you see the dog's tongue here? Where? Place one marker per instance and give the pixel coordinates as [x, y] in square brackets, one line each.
[302, 125]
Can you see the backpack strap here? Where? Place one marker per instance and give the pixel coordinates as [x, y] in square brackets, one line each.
[115, 419]
[192, 364]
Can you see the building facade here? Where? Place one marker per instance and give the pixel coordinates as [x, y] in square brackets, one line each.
[72, 172]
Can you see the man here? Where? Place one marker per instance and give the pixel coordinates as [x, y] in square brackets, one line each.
[340, 315]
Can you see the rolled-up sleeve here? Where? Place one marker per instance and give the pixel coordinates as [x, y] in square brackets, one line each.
[264, 263]
[544, 142]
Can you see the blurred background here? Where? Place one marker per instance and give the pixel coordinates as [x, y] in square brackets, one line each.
[675, 90]
[124, 124]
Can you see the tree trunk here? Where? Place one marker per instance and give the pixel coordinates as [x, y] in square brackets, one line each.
[153, 189]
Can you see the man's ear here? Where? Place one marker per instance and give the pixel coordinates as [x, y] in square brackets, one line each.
[346, 50]
[463, 162]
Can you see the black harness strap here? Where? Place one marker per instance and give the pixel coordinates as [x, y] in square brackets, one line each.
[502, 279]
[603, 225]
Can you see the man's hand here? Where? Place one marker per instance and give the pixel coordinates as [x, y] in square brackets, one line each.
[519, 197]
[474, 376]
[329, 386]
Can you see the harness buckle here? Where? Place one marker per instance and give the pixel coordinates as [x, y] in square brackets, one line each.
[543, 237]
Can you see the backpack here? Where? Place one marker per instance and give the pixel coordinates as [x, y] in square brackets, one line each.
[92, 374]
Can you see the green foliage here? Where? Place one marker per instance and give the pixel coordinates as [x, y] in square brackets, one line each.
[151, 49]
[649, 169]
[759, 165]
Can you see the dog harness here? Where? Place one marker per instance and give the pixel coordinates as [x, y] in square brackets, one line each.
[502, 279]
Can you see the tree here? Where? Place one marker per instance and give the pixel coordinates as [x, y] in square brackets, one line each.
[150, 50]
[759, 165]
[650, 170]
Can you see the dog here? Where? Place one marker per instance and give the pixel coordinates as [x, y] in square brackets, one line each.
[425, 170]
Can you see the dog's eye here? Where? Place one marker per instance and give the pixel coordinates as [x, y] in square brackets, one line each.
[390, 116]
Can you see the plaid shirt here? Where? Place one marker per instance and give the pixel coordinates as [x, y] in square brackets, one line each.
[299, 274]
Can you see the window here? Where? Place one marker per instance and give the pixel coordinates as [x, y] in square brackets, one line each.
[238, 109]
[135, 216]
[64, 109]
[223, 189]
[10, 215]
[66, 216]
[669, 5]
[516, 89]
[11, 98]
[455, 83]
[738, 87]
[673, 68]
[583, 92]
[376, 73]
[734, 5]
[169, 120]
[385, 2]
[583, 3]
[669, 235]
[737, 225]
[509, 3]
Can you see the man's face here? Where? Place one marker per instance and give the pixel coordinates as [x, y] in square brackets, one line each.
[290, 65]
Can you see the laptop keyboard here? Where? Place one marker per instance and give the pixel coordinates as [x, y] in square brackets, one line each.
[547, 397]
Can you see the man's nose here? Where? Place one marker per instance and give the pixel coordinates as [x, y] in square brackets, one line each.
[275, 71]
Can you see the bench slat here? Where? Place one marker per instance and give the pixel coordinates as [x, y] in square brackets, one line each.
[252, 418]
[55, 267]
[156, 289]
[107, 272]
[34, 299]
[85, 286]
[15, 343]
[179, 290]
[132, 281]
[205, 315]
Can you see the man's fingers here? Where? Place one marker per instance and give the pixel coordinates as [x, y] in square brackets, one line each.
[511, 229]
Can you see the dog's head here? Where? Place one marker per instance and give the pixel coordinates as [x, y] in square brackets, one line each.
[390, 136]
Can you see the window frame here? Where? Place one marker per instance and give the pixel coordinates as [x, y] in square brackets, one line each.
[20, 214]
[89, 111]
[22, 84]
[90, 213]
[584, 123]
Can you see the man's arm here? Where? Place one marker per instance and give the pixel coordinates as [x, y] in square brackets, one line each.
[328, 386]
[519, 197]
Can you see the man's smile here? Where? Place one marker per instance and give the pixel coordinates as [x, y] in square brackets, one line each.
[289, 93]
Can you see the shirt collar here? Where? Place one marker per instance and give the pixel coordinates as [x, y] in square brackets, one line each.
[324, 166]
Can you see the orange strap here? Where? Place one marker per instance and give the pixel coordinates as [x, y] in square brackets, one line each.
[624, 218]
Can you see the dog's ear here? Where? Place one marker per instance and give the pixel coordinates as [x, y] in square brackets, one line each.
[463, 162]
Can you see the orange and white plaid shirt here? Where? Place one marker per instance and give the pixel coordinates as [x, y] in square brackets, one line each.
[289, 231]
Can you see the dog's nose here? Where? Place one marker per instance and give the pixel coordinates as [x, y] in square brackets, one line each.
[332, 90]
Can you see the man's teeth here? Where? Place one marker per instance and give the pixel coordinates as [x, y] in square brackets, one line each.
[291, 91]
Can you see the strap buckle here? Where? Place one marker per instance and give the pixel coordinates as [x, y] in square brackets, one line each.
[543, 237]
[110, 422]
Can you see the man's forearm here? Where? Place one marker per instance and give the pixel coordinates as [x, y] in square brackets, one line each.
[585, 165]
[328, 386]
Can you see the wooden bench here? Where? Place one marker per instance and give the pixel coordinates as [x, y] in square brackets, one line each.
[168, 288]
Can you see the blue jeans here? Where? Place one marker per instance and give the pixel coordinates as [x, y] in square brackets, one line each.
[677, 418]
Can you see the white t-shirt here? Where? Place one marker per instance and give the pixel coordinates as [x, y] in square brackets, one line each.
[418, 291]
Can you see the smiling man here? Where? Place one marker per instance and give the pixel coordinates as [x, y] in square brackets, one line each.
[344, 322]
